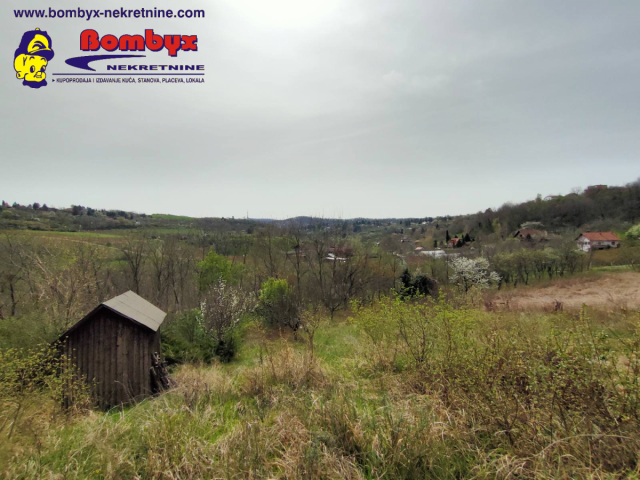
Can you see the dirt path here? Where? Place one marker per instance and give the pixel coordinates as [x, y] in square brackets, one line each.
[605, 290]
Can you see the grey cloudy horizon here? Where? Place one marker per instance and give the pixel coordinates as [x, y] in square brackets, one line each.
[334, 108]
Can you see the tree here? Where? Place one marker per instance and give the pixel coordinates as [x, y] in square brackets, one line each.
[221, 310]
[447, 237]
[420, 285]
[296, 236]
[312, 318]
[469, 273]
[215, 268]
[134, 251]
[12, 269]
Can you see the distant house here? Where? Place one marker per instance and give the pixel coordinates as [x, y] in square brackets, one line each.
[341, 251]
[417, 250]
[333, 258]
[551, 197]
[530, 234]
[455, 242]
[588, 241]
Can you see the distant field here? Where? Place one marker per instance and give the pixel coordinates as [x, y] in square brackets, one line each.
[172, 217]
[54, 233]
[608, 290]
[173, 231]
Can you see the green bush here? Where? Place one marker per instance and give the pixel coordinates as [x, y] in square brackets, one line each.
[30, 377]
[184, 340]
[634, 232]
[26, 331]
[277, 305]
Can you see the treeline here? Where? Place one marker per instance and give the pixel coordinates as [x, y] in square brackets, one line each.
[601, 208]
[82, 218]
[522, 266]
[56, 281]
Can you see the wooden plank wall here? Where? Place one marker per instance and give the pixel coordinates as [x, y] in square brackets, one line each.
[114, 355]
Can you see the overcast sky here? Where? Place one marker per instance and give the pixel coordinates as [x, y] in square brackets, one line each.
[340, 108]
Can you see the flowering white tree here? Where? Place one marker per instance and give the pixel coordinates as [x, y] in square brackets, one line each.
[470, 272]
[222, 308]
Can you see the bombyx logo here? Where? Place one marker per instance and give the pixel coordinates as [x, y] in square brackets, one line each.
[90, 41]
[32, 57]
[35, 51]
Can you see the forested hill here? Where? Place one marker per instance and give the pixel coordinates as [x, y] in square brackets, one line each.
[598, 207]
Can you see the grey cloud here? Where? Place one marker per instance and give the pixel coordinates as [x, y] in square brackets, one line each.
[361, 108]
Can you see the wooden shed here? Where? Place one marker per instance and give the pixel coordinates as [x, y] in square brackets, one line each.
[116, 348]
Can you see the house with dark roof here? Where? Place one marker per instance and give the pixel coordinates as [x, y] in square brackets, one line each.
[530, 234]
[588, 241]
[116, 350]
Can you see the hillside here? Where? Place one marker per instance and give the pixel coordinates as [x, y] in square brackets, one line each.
[316, 348]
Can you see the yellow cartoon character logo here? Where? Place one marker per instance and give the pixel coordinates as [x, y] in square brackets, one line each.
[31, 58]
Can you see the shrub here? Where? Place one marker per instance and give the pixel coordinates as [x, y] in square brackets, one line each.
[421, 285]
[634, 232]
[31, 377]
[544, 387]
[277, 305]
[184, 339]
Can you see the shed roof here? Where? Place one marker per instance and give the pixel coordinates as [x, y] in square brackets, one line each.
[600, 236]
[131, 306]
[136, 308]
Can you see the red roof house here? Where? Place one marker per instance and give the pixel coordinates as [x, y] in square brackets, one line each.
[455, 242]
[588, 241]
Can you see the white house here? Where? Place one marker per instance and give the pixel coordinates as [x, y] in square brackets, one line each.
[588, 241]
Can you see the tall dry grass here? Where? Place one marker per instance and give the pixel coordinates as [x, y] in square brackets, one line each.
[425, 390]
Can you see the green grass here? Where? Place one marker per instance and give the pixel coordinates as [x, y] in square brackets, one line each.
[165, 216]
[613, 268]
[172, 230]
[336, 342]
[496, 393]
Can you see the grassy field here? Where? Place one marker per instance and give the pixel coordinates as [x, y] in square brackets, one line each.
[468, 394]
[604, 287]
[629, 253]
[55, 234]
[172, 217]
